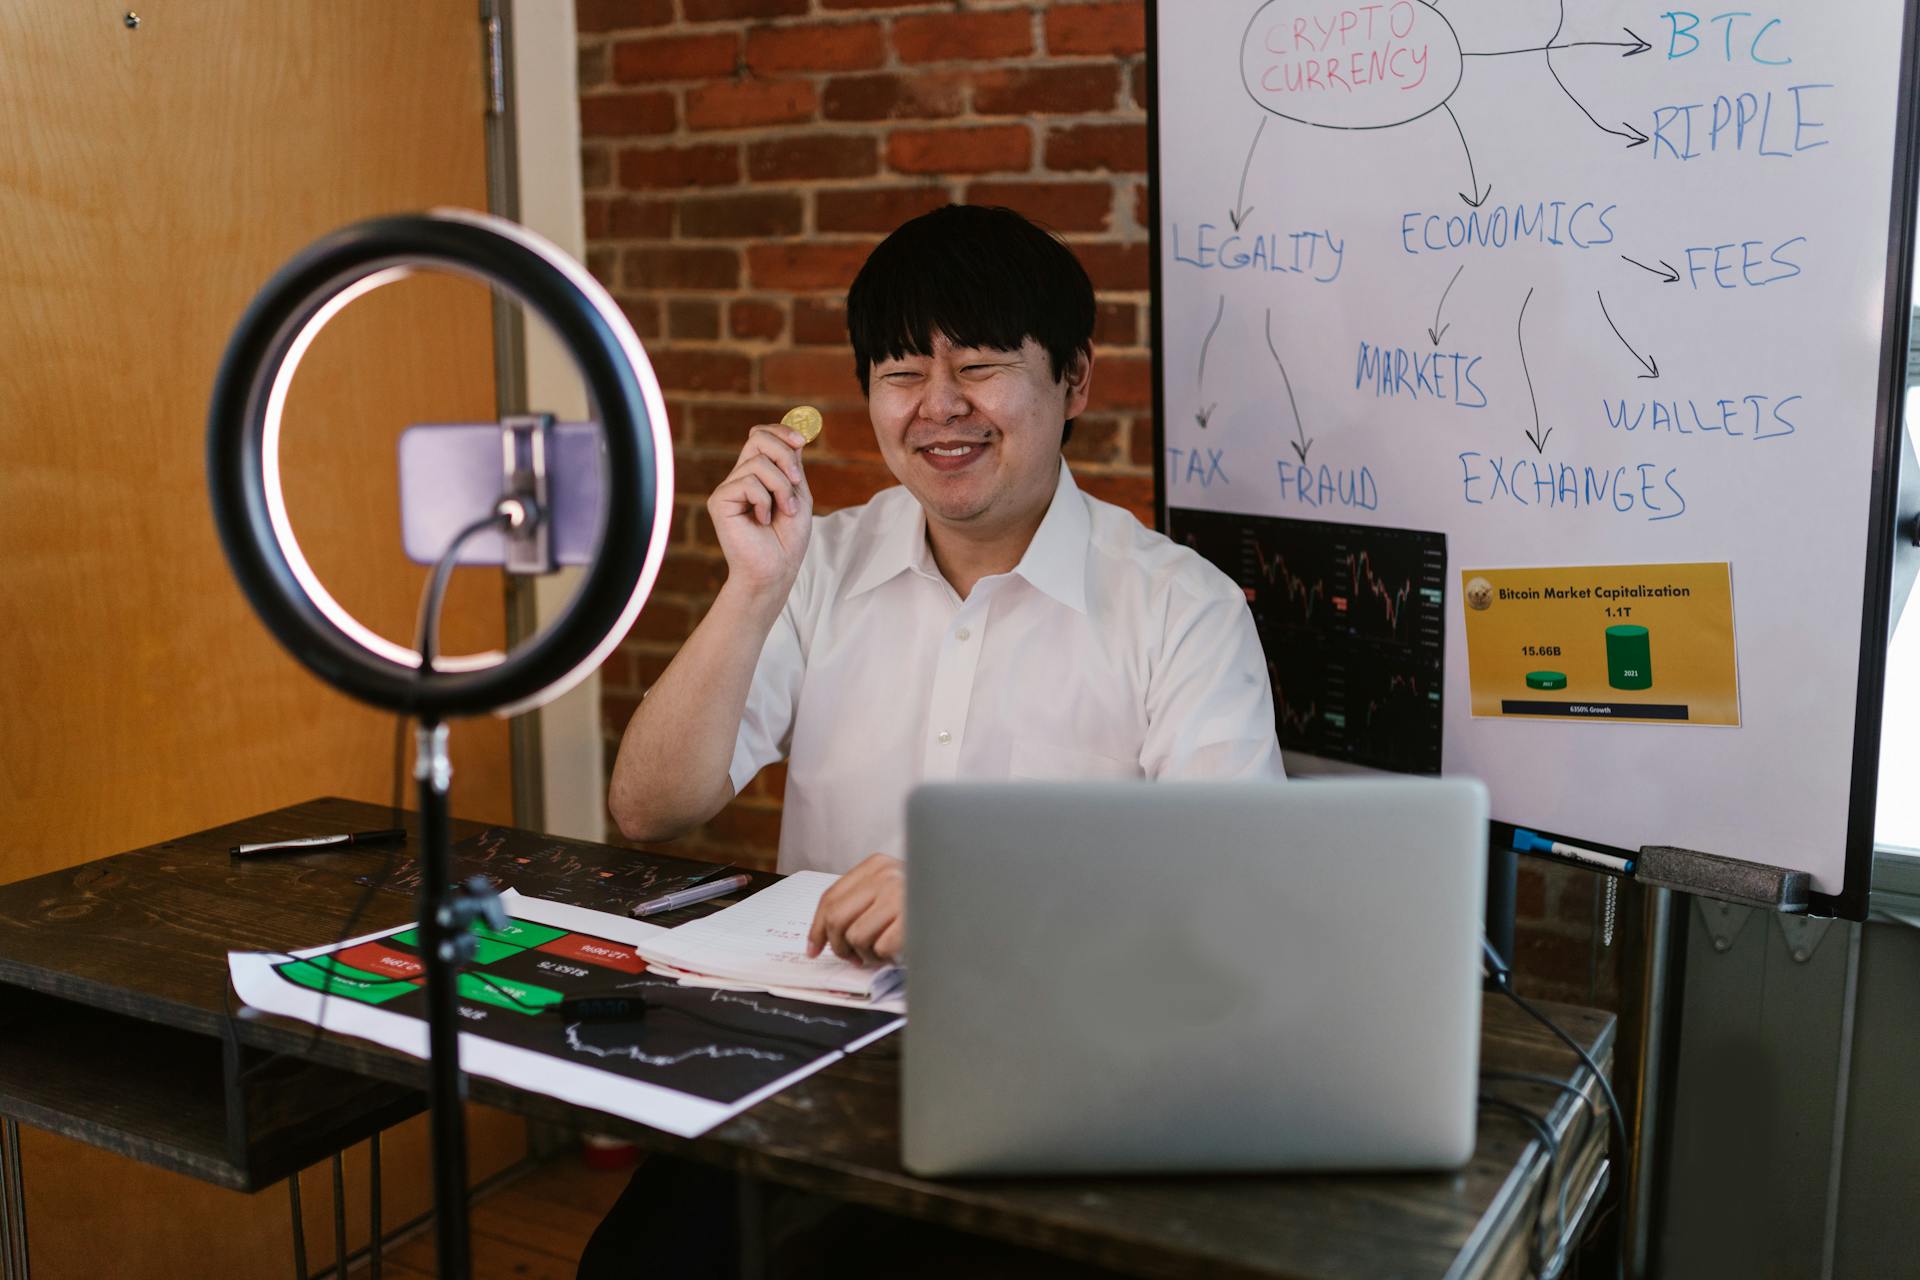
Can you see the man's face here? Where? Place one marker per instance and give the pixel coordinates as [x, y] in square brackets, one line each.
[974, 433]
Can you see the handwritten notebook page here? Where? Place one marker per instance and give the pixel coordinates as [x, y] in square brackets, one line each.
[763, 940]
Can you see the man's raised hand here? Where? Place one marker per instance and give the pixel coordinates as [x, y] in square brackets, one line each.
[763, 511]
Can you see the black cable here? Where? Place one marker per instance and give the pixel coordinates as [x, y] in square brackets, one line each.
[654, 1006]
[1589, 1114]
[1545, 1082]
[427, 636]
[1613, 1103]
[1540, 1265]
[1590, 1108]
[430, 599]
[1549, 1265]
[1498, 970]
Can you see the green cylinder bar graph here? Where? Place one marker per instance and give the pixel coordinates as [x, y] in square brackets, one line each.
[1629, 658]
[1546, 679]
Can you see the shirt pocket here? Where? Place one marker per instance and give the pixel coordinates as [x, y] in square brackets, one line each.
[1046, 761]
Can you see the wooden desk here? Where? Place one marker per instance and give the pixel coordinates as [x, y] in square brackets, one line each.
[134, 946]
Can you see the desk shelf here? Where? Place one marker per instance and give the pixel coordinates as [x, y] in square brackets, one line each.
[161, 1095]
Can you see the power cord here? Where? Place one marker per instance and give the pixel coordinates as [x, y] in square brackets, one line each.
[647, 1006]
[1546, 1082]
[1545, 1266]
[1501, 974]
[507, 513]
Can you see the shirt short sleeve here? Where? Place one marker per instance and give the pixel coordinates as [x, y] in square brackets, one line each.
[766, 726]
[1210, 702]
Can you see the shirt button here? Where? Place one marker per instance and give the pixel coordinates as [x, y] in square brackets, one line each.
[943, 737]
[962, 634]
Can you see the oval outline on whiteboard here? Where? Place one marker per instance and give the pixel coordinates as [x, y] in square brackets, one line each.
[1453, 39]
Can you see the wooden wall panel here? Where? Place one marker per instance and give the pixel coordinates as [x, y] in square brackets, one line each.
[151, 179]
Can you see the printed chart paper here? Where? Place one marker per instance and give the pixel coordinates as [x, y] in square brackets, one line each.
[1651, 643]
[698, 1057]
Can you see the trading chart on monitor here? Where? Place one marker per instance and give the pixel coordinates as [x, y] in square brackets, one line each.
[1352, 623]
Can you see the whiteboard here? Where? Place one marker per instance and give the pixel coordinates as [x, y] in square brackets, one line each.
[1598, 284]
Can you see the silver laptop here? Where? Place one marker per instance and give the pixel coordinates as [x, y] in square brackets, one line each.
[1200, 977]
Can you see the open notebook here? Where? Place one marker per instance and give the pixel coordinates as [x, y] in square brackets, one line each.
[762, 942]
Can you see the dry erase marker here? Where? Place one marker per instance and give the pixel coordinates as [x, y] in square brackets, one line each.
[1525, 841]
[687, 897]
[341, 841]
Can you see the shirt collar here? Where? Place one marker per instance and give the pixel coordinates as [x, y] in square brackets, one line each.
[899, 544]
[1055, 561]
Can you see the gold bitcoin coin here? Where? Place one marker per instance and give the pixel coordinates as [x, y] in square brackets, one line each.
[805, 419]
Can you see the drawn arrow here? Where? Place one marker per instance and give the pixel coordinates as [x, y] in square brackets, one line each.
[1472, 181]
[1538, 441]
[1633, 136]
[1240, 212]
[1302, 444]
[1437, 334]
[1633, 45]
[1651, 366]
[1669, 276]
[1200, 379]
[1219, 311]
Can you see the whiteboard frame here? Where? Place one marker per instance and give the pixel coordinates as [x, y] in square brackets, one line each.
[1851, 902]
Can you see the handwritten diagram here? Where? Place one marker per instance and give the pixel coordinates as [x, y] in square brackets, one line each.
[1398, 69]
[1549, 284]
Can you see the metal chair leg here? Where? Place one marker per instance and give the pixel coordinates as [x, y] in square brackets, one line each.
[339, 1216]
[376, 1244]
[299, 1228]
[13, 1191]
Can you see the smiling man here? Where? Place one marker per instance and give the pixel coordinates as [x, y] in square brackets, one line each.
[984, 620]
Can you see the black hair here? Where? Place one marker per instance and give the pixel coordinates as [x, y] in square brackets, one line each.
[984, 277]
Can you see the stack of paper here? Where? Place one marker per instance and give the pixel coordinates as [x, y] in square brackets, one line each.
[761, 944]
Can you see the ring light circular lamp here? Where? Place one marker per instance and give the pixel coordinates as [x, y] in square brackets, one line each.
[249, 508]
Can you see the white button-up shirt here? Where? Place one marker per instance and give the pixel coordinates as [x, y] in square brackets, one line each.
[1108, 652]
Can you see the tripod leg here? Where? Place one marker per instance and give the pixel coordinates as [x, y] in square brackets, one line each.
[441, 934]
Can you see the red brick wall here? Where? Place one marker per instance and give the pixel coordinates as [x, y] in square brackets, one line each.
[741, 157]
[1557, 908]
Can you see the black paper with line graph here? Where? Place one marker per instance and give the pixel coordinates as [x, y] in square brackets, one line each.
[719, 1045]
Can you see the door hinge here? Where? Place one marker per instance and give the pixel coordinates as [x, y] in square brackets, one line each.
[496, 69]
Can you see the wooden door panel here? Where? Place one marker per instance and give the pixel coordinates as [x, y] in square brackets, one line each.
[151, 179]
[151, 182]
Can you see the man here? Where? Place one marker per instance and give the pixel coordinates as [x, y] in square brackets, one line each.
[984, 620]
